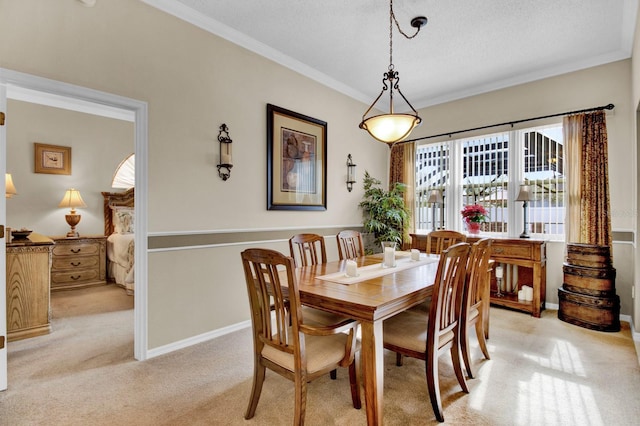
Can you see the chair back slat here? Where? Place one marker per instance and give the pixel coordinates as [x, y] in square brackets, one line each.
[271, 302]
[308, 249]
[438, 241]
[350, 244]
[448, 287]
[477, 275]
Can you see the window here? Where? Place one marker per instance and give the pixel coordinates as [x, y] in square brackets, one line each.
[488, 170]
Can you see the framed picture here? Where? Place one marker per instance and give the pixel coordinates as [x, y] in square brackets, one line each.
[296, 161]
[52, 159]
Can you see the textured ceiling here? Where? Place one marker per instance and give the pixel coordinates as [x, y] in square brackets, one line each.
[467, 48]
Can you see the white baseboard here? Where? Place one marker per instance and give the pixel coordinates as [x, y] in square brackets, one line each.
[151, 353]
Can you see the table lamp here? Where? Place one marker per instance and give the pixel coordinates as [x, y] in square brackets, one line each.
[525, 195]
[10, 189]
[72, 199]
[435, 197]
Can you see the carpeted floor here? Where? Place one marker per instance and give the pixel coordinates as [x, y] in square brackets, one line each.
[542, 372]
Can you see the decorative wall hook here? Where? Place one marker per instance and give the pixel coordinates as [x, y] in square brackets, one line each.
[225, 153]
[351, 173]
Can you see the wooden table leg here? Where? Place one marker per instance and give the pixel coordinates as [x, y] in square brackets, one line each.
[372, 356]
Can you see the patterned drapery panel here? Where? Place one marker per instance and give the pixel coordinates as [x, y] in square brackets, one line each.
[588, 213]
[402, 168]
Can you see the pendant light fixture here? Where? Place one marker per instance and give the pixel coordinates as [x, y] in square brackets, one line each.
[392, 127]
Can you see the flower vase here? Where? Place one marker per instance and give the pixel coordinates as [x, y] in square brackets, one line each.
[473, 227]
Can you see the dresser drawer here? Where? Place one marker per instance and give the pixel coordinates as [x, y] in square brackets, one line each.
[64, 263]
[511, 251]
[76, 249]
[79, 276]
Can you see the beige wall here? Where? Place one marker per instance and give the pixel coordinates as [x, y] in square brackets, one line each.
[98, 145]
[194, 81]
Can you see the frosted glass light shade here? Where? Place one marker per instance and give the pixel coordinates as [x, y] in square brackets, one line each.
[390, 128]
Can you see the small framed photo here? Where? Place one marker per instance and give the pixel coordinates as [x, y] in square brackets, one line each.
[52, 159]
[296, 161]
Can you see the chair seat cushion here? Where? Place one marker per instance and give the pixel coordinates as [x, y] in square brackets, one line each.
[407, 329]
[321, 351]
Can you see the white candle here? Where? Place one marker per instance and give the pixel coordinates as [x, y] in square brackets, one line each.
[415, 254]
[528, 293]
[389, 257]
[352, 268]
[499, 271]
[226, 158]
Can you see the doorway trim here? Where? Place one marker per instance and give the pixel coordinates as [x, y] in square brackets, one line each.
[10, 79]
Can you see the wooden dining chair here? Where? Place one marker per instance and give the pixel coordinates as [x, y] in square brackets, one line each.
[307, 249]
[426, 336]
[438, 241]
[350, 244]
[282, 341]
[475, 297]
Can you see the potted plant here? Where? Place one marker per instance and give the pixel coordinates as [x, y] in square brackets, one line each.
[473, 215]
[385, 213]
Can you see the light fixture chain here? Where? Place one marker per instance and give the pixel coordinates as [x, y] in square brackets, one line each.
[393, 16]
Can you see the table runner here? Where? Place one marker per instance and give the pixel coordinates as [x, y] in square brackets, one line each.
[376, 270]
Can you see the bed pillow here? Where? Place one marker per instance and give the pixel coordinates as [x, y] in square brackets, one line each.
[123, 220]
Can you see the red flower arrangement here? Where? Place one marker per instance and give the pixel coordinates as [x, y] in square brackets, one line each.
[474, 213]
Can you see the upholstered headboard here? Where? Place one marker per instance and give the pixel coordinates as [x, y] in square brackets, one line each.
[115, 199]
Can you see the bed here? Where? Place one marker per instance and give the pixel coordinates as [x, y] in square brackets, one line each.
[119, 218]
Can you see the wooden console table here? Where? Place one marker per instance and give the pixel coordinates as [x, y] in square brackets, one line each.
[526, 264]
[529, 260]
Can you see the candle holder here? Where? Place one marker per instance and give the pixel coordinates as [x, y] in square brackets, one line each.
[225, 153]
[499, 275]
[388, 254]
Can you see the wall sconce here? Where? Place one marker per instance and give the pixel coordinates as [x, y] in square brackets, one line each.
[225, 153]
[435, 197]
[10, 189]
[72, 199]
[525, 195]
[351, 173]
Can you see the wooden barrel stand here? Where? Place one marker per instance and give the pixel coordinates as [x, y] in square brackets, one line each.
[588, 294]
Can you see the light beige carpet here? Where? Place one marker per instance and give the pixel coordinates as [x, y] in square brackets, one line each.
[542, 372]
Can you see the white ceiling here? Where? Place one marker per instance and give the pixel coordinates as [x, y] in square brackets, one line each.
[468, 47]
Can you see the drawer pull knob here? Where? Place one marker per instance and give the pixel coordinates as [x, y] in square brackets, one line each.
[75, 251]
[76, 277]
[76, 263]
[498, 250]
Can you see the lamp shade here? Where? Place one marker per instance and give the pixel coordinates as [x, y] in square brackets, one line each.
[72, 199]
[10, 189]
[435, 196]
[525, 194]
[390, 128]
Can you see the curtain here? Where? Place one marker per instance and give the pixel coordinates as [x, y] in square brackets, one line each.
[402, 168]
[588, 217]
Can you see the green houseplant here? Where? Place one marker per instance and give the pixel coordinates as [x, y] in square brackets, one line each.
[385, 214]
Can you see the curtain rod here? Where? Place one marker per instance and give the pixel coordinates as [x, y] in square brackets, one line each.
[609, 106]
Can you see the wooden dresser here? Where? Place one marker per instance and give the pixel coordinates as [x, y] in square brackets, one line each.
[79, 262]
[28, 285]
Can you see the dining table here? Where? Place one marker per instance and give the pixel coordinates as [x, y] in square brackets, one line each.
[374, 294]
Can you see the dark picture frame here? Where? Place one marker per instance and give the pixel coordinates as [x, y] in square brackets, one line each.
[52, 159]
[296, 161]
